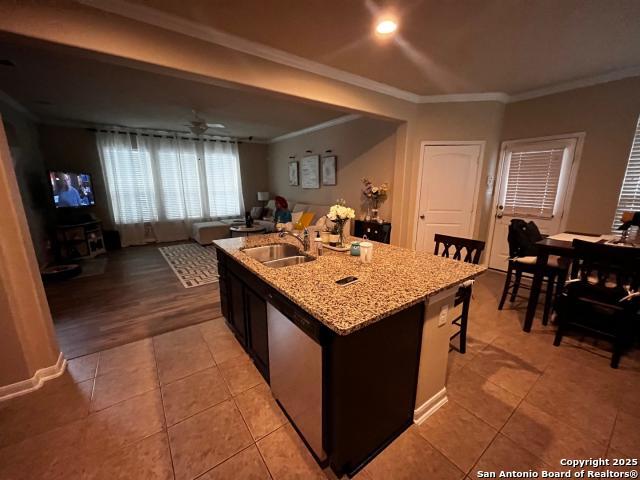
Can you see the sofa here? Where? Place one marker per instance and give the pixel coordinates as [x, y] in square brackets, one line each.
[205, 232]
[264, 216]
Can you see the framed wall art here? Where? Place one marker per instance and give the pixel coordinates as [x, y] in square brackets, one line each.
[329, 170]
[310, 171]
[293, 174]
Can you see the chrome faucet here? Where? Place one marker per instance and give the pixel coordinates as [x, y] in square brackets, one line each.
[304, 240]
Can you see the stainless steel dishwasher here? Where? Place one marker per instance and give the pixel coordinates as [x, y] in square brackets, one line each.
[295, 369]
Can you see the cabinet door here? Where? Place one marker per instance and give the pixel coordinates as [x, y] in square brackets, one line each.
[258, 331]
[236, 307]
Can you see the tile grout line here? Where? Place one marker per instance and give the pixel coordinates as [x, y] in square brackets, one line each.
[164, 413]
[613, 429]
[271, 474]
[226, 460]
[93, 386]
[497, 431]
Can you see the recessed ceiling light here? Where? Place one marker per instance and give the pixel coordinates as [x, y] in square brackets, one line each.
[386, 27]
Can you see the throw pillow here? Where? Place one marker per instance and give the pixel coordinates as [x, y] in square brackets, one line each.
[304, 221]
[295, 217]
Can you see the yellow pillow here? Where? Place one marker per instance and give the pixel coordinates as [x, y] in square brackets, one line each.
[305, 221]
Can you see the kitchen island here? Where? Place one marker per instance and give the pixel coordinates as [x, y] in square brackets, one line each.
[352, 366]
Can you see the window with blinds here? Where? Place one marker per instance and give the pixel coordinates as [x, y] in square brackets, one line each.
[532, 182]
[179, 184]
[130, 181]
[223, 177]
[629, 200]
[169, 179]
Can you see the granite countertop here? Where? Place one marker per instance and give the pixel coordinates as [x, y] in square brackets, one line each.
[396, 279]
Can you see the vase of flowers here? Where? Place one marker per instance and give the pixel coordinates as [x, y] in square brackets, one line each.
[339, 214]
[376, 195]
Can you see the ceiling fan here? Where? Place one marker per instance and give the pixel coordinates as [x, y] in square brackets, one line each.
[199, 125]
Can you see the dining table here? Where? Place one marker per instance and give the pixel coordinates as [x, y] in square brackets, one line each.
[562, 245]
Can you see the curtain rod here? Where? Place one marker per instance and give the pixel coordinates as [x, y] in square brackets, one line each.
[158, 135]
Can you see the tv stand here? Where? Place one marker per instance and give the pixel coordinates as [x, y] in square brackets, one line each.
[80, 240]
[75, 216]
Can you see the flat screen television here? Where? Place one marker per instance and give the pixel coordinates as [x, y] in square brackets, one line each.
[71, 189]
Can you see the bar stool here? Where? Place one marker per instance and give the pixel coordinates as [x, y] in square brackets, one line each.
[472, 251]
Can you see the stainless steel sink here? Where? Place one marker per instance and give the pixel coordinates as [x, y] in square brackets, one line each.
[268, 253]
[278, 255]
[287, 261]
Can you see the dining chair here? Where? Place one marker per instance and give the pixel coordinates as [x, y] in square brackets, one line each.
[522, 238]
[465, 250]
[603, 299]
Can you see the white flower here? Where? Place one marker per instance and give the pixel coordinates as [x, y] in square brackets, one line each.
[374, 189]
[340, 212]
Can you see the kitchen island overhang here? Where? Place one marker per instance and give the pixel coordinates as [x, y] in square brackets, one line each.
[382, 346]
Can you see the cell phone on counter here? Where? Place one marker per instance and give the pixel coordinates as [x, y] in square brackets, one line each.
[343, 282]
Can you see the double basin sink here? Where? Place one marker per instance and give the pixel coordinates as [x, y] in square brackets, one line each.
[278, 255]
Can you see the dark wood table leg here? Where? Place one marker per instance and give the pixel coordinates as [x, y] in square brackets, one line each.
[536, 286]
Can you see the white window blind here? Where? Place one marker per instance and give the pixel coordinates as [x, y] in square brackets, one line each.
[629, 200]
[130, 179]
[223, 179]
[532, 182]
[179, 184]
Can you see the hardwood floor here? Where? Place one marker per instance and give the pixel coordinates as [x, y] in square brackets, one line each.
[137, 297]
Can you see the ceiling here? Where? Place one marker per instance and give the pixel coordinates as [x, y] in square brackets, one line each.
[60, 87]
[442, 47]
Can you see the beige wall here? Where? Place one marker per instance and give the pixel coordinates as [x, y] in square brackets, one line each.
[364, 147]
[608, 114]
[31, 174]
[13, 368]
[28, 340]
[254, 172]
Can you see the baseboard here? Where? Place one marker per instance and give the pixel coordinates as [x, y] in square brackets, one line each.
[35, 382]
[430, 407]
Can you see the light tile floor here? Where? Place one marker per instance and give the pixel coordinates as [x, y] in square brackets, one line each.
[190, 404]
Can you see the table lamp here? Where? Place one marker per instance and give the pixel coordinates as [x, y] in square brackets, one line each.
[263, 197]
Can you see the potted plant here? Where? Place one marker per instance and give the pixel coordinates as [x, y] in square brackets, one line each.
[376, 195]
[339, 214]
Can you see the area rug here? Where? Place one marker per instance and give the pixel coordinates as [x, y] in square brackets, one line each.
[193, 264]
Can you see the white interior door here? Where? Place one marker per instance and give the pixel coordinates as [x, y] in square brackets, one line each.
[533, 185]
[447, 192]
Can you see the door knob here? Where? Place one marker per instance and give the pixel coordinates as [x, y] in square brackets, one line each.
[421, 217]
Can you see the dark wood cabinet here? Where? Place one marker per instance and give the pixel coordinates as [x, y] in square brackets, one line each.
[258, 335]
[236, 318]
[378, 232]
[246, 313]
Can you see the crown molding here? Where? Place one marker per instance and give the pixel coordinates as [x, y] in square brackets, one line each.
[159, 131]
[465, 97]
[182, 26]
[574, 84]
[315, 128]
